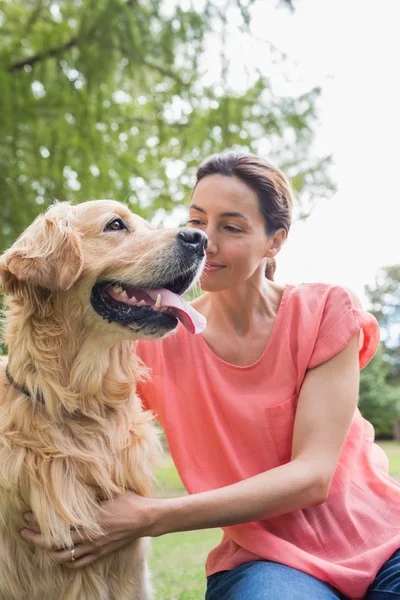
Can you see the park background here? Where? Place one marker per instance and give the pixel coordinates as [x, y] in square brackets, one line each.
[123, 98]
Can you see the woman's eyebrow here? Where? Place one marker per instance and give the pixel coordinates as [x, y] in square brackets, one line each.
[225, 214]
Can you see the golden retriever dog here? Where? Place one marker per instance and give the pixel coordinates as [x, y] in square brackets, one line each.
[81, 283]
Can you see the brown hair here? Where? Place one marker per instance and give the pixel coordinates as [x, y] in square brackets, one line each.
[273, 189]
[274, 192]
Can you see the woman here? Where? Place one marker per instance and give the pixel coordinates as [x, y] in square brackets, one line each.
[261, 416]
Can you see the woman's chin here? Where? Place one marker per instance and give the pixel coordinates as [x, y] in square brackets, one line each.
[207, 284]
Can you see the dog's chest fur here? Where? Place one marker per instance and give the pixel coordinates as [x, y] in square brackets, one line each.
[61, 471]
[69, 466]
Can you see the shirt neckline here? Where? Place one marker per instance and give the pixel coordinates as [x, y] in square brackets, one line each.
[275, 327]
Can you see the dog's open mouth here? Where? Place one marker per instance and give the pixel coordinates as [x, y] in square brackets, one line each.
[137, 307]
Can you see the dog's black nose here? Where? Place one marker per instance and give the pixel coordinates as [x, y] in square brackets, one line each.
[194, 238]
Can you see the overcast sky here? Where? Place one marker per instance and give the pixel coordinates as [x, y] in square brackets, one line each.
[352, 49]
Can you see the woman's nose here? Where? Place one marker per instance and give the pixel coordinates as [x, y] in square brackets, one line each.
[212, 244]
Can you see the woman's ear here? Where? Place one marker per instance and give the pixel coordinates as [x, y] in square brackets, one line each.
[47, 254]
[275, 242]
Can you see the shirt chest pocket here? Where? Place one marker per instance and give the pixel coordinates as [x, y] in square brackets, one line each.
[280, 419]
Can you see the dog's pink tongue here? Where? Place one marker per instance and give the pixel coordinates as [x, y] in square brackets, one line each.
[188, 316]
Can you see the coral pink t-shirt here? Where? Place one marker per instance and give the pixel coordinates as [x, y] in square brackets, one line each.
[225, 423]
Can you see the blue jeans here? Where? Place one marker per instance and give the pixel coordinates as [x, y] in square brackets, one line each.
[265, 580]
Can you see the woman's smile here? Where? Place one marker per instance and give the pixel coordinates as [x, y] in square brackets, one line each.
[211, 266]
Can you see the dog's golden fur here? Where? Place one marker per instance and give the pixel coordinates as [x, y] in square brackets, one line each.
[82, 435]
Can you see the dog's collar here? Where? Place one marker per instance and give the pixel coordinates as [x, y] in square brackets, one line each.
[20, 388]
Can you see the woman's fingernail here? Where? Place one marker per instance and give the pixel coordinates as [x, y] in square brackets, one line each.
[23, 533]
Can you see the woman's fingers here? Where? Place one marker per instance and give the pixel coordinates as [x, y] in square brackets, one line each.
[121, 520]
[36, 538]
[30, 518]
[83, 554]
[87, 559]
[66, 556]
[32, 521]
[77, 537]
[94, 554]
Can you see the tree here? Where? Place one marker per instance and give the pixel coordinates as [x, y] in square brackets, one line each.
[107, 99]
[379, 389]
[378, 400]
[384, 298]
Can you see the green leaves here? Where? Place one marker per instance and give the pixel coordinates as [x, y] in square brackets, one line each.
[379, 396]
[108, 99]
[384, 297]
[379, 402]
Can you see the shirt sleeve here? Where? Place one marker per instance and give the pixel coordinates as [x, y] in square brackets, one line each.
[341, 319]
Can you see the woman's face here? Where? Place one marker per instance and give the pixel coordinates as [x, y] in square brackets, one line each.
[227, 210]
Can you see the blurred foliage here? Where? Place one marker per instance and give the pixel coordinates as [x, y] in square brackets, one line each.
[107, 99]
[380, 380]
[384, 297]
[379, 401]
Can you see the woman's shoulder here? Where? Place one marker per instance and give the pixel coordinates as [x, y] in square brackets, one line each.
[314, 308]
[316, 289]
[329, 316]
[313, 295]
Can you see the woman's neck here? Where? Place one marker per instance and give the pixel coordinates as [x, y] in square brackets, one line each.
[241, 310]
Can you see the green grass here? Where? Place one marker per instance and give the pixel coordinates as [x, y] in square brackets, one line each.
[177, 560]
[177, 564]
[168, 480]
[392, 450]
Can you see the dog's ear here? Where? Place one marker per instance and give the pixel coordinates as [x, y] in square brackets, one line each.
[47, 254]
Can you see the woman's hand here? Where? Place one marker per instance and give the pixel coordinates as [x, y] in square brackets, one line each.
[125, 519]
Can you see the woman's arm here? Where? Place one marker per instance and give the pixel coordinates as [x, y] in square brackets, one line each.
[326, 406]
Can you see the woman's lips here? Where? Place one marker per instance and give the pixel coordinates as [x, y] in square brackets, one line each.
[210, 267]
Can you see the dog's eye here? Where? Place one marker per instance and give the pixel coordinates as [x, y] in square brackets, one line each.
[115, 225]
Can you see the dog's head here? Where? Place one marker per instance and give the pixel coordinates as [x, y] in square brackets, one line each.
[110, 261]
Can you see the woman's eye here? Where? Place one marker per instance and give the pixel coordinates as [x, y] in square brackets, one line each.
[115, 225]
[233, 229]
[194, 222]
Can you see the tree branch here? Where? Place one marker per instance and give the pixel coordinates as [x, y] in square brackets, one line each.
[31, 60]
[161, 70]
[33, 16]
[153, 66]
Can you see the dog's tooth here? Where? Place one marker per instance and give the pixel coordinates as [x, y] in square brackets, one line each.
[124, 295]
[133, 298]
[142, 303]
[158, 303]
